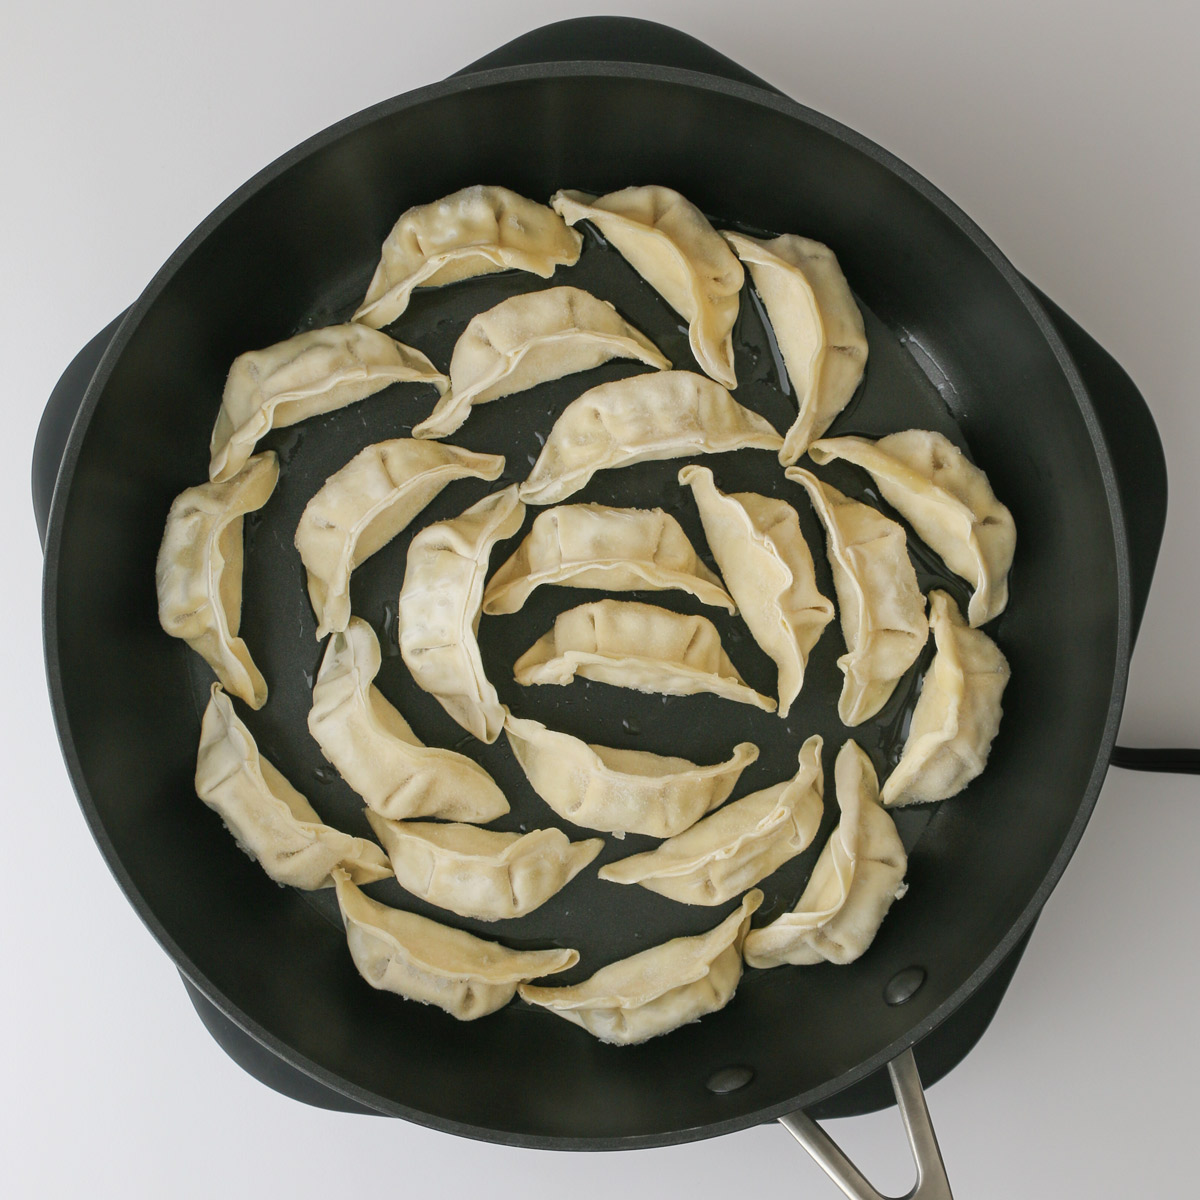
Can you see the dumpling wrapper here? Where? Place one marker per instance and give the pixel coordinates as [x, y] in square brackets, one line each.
[668, 414]
[737, 846]
[309, 374]
[480, 873]
[957, 714]
[621, 791]
[858, 875]
[422, 960]
[930, 482]
[360, 508]
[199, 573]
[658, 990]
[440, 607]
[816, 323]
[882, 609]
[531, 339]
[376, 752]
[758, 545]
[610, 549]
[475, 231]
[271, 821]
[640, 646]
[671, 245]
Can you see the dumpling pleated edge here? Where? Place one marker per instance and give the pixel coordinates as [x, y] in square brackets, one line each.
[657, 990]
[202, 541]
[600, 787]
[738, 845]
[457, 224]
[422, 960]
[858, 875]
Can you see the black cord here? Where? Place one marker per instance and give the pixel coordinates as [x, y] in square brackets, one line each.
[1174, 761]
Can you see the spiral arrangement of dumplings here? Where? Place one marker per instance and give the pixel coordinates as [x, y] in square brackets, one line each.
[429, 805]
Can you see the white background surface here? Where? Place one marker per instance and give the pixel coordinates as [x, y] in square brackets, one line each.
[1067, 129]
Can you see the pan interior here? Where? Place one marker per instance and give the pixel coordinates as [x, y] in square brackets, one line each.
[951, 348]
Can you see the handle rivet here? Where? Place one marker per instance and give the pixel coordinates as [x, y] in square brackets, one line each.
[904, 985]
[729, 1079]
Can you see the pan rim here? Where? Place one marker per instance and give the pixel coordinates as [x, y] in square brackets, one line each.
[776, 102]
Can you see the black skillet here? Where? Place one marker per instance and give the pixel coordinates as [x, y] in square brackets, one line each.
[958, 342]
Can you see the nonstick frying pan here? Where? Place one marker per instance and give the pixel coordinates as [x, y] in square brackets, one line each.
[958, 341]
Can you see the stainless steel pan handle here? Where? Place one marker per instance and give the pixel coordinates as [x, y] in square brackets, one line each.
[932, 1183]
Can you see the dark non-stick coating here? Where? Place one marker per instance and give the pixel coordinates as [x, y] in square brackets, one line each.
[954, 346]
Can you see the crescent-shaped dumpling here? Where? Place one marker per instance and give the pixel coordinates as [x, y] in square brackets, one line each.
[376, 752]
[740, 844]
[309, 374]
[858, 875]
[480, 873]
[531, 339]
[475, 231]
[610, 549]
[816, 323]
[638, 646]
[621, 791]
[199, 573]
[422, 960]
[668, 414]
[658, 990]
[360, 508]
[271, 821]
[758, 545]
[957, 714]
[440, 607]
[670, 243]
[882, 609]
[930, 482]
